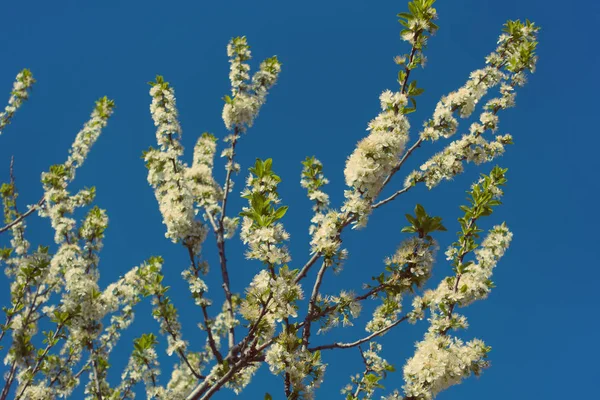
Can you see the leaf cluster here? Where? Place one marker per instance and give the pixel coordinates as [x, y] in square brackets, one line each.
[482, 198]
[262, 210]
[422, 223]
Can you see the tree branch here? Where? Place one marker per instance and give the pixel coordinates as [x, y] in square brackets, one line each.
[221, 241]
[340, 345]
[211, 340]
[311, 305]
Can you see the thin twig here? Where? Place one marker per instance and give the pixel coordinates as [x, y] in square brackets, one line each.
[41, 358]
[9, 380]
[340, 345]
[312, 304]
[211, 339]
[307, 267]
[39, 204]
[221, 241]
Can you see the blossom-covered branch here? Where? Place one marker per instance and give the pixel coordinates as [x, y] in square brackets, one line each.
[19, 94]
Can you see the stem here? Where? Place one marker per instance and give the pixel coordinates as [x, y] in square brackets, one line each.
[171, 332]
[39, 204]
[340, 345]
[95, 369]
[367, 369]
[392, 197]
[406, 69]
[250, 337]
[234, 140]
[41, 358]
[9, 380]
[207, 391]
[287, 386]
[221, 241]
[307, 267]
[211, 339]
[67, 362]
[312, 304]
[458, 276]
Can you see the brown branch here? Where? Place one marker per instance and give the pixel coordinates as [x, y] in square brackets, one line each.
[311, 305]
[9, 380]
[39, 204]
[96, 377]
[171, 332]
[221, 241]
[211, 340]
[306, 268]
[41, 358]
[340, 345]
[367, 369]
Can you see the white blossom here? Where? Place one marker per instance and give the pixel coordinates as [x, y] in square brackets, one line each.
[20, 92]
[440, 362]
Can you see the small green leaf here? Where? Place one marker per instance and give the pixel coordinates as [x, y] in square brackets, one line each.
[280, 212]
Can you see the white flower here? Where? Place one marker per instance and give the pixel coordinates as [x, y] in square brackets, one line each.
[23, 82]
[440, 362]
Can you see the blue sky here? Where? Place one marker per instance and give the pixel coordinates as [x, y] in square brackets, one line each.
[541, 320]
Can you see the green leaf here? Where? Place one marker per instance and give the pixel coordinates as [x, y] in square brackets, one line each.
[280, 212]
[268, 163]
[420, 212]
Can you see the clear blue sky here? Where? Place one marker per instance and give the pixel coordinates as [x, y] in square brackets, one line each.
[541, 320]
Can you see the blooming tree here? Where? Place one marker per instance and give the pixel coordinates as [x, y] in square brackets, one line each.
[283, 306]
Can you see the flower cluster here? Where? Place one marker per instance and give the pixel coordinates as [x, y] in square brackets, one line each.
[242, 378]
[242, 107]
[166, 172]
[514, 56]
[345, 307]
[143, 366]
[325, 239]
[312, 179]
[450, 162]
[29, 291]
[408, 269]
[463, 101]
[122, 296]
[58, 201]
[376, 369]
[386, 313]
[23, 82]
[472, 280]
[197, 286]
[182, 379]
[199, 177]
[418, 22]
[440, 362]
[19, 244]
[164, 311]
[271, 298]
[412, 262]
[376, 155]
[288, 356]
[260, 229]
